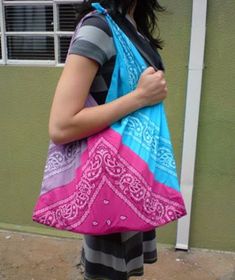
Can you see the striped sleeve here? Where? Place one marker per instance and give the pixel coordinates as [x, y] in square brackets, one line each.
[94, 40]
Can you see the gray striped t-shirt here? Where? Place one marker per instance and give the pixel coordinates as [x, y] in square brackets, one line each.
[94, 40]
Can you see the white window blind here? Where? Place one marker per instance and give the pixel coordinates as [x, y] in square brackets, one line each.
[36, 32]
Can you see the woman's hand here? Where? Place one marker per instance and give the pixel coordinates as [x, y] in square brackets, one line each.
[70, 121]
[151, 88]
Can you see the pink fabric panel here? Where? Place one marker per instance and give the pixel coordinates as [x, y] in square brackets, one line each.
[109, 181]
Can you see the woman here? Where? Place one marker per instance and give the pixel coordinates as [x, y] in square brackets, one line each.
[88, 69]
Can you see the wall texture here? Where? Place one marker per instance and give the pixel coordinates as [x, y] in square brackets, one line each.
[214, 204]
[26, 94]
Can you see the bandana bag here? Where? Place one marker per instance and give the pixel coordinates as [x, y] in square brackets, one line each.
[121, 179]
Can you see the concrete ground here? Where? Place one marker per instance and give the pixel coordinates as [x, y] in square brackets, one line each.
[34, 257]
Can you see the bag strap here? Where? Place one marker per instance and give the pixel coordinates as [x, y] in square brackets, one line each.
[132, 34]
[125, 25]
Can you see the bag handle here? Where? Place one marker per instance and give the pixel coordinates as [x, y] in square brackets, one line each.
[128, 29]
[125, 25]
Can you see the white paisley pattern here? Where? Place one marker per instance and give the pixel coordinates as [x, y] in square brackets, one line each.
[139, 126]
[146, 133]
[61, 158]
[106, 167]
[134, 69]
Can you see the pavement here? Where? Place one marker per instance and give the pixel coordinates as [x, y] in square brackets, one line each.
[25, 256]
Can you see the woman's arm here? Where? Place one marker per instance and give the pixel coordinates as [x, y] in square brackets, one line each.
[69, 120]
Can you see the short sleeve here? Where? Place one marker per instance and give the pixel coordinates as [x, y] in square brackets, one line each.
[93, 40]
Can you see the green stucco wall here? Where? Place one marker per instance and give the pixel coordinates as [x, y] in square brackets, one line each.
[25, 98]
[214, 204]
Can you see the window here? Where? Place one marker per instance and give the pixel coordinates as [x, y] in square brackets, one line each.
[36, 32]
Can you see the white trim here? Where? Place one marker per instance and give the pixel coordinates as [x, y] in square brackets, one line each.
[1, 23]
[47, 2]
[60, 65]
[29, 33]
[196, 65]
[64, 33]
[38, 33]
[56, 40]
[3, 37]
[30, 62]
[68, 1]
[21, 3]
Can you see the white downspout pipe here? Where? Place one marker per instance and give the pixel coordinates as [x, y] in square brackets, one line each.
[195, 71]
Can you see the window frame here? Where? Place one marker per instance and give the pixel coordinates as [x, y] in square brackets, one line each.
[55, 33]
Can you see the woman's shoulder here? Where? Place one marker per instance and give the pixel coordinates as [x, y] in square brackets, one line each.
[97, 21]
[93, 39]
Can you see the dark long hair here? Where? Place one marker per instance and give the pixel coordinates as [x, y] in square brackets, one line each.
[145, 14]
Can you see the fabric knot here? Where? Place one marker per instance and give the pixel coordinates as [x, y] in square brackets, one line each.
[99, 8]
